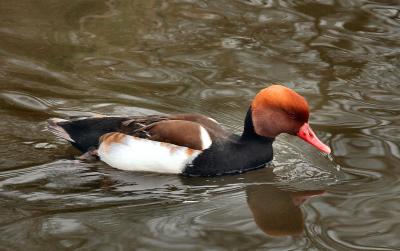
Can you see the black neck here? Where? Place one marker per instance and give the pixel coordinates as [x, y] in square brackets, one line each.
[248, 131]
[250, 152]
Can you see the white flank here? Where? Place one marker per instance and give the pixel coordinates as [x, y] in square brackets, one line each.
[205, 138]
[136, 154]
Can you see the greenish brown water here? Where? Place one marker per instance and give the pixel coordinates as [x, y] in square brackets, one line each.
[79, 58]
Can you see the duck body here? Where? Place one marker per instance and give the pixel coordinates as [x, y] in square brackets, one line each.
[191, 144]
[198, 147]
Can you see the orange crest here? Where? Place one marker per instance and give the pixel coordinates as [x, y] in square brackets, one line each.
[279, 97]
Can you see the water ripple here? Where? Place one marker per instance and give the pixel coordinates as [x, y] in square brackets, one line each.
[80, 58]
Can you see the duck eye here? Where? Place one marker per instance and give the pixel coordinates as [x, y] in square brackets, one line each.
[292, 115]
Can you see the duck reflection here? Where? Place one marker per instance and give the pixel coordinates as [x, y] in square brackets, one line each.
[277, 212]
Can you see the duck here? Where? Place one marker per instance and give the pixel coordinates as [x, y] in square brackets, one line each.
[192, 144]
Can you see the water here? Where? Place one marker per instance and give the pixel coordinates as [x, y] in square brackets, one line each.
[79, 58]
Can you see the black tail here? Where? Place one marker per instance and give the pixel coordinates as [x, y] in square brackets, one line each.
[84, 133]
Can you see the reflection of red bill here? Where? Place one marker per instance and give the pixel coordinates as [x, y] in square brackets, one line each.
[298, 198]
[308, 135]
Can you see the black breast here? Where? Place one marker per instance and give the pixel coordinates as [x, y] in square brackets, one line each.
[237, 154]
[231, 157]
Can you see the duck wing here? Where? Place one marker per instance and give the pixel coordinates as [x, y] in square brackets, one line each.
[191, 130]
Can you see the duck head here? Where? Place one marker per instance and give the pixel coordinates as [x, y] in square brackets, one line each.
[278, 109]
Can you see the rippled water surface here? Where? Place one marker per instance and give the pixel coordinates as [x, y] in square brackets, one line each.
[79, 58]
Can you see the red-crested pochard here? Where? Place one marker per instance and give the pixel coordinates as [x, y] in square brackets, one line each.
[192, 144]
